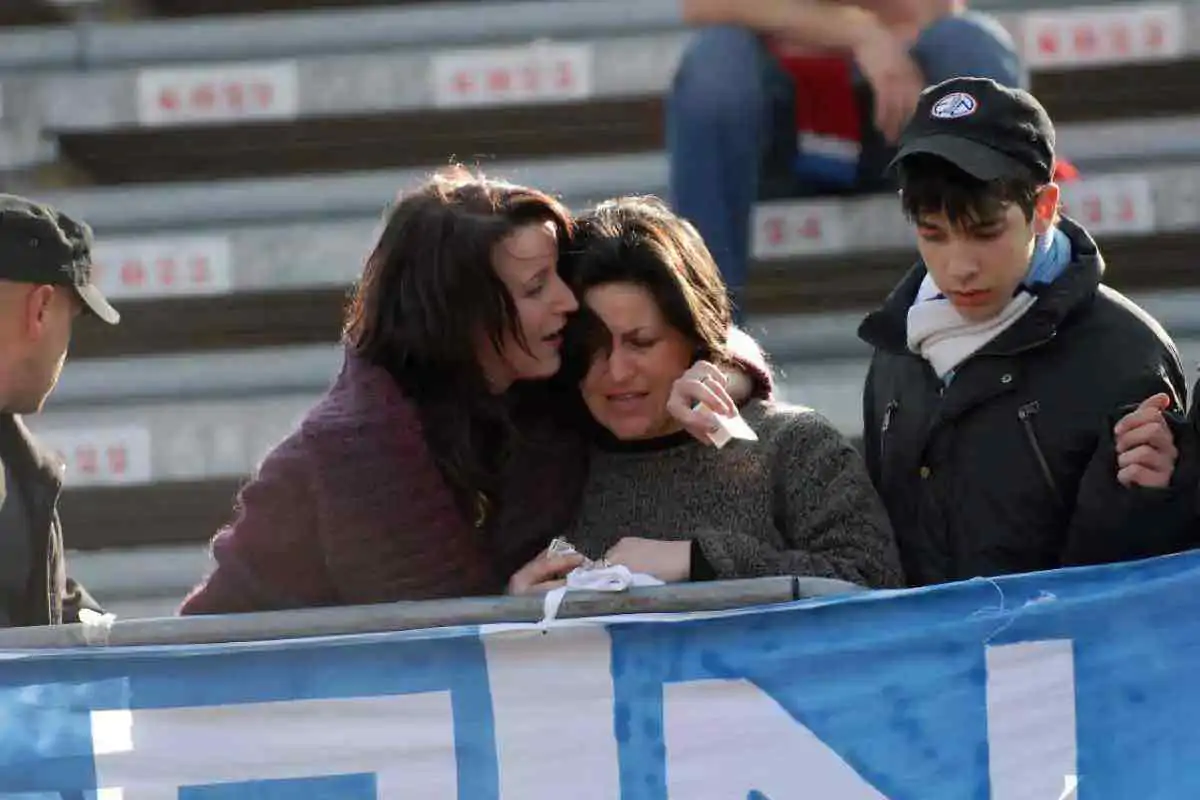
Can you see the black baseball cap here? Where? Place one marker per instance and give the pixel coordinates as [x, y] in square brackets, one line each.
[39, 244]
[985, 129]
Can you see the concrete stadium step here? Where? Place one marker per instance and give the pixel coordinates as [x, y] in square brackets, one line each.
[219, 375]
[163, 577]
[1064, 34]
[185, 512]
[33, 12]
[367, 31]
[242, 320]
[603, 125]
[597, 127]
[1096, 147]
[828, 283]
[276, 269]
[159, 102]
[161, 473]
[289, 205]
[798, 285]
[1126, 145]
[201, 8]
[402, 108]
[336, 144]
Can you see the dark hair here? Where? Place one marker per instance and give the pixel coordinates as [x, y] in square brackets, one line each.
[426, 295]
[638, 240]
[931, 185]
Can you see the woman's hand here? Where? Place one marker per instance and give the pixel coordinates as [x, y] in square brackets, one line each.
[698, 396]
[544, 573]
[670, 562]
[1146, 451]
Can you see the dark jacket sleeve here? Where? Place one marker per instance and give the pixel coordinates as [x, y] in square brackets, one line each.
[832, 522]
[1113, 523]
[269, 557]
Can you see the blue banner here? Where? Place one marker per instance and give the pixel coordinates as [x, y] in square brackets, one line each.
[1070, 684]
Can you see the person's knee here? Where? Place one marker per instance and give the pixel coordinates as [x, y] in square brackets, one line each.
[969, 45]
[720, 76]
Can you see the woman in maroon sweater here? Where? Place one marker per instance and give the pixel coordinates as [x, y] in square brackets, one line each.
[428, 469]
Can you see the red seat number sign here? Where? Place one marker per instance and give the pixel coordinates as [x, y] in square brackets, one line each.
[217, 93]
[1111, 203]
[101, 455]
[512, 75]
[1115, 35]
[163, 266]
[799, 228]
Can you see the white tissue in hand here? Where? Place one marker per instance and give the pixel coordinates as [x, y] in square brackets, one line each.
[594, 578]
[95, 626]
[611, 578]
[731, 428]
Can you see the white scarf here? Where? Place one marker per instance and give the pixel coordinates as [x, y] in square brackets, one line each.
[944, 338]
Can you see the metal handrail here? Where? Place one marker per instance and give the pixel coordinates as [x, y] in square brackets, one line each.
[415, 615]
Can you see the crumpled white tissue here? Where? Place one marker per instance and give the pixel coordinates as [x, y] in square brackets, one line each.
[594, 577]
[96, 627]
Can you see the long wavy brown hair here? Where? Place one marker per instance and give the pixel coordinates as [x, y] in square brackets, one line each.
[428, 292]
[639, 240]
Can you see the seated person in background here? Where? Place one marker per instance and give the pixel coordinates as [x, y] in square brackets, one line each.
[796, 502]
[796, 97]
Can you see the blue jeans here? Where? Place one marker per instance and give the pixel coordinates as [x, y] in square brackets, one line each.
[729, 124]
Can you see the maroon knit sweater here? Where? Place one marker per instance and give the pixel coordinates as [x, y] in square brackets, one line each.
[351, 508]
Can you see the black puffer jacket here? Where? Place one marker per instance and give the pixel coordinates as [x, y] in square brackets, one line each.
[1012, 467]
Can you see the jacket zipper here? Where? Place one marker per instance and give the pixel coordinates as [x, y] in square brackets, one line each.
[1026, 413]
[888, 412]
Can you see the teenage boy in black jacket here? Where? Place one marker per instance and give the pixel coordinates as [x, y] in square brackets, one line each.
[1002, 363]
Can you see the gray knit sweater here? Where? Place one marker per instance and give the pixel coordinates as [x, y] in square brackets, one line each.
[796, 502]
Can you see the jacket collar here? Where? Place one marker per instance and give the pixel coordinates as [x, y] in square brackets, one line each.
[28, 460]
[886, 328]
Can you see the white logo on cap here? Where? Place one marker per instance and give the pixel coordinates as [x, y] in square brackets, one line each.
[954, 105]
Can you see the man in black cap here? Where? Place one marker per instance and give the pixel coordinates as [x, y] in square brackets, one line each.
[1002, 363]
[45, 283]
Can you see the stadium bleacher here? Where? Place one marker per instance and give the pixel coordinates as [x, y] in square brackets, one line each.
[195, 8]
[235, 167]
[31, 12]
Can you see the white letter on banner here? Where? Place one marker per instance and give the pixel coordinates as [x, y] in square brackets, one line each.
[725, 738]
[552, 702]
[1031, 719]
[405, 741]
